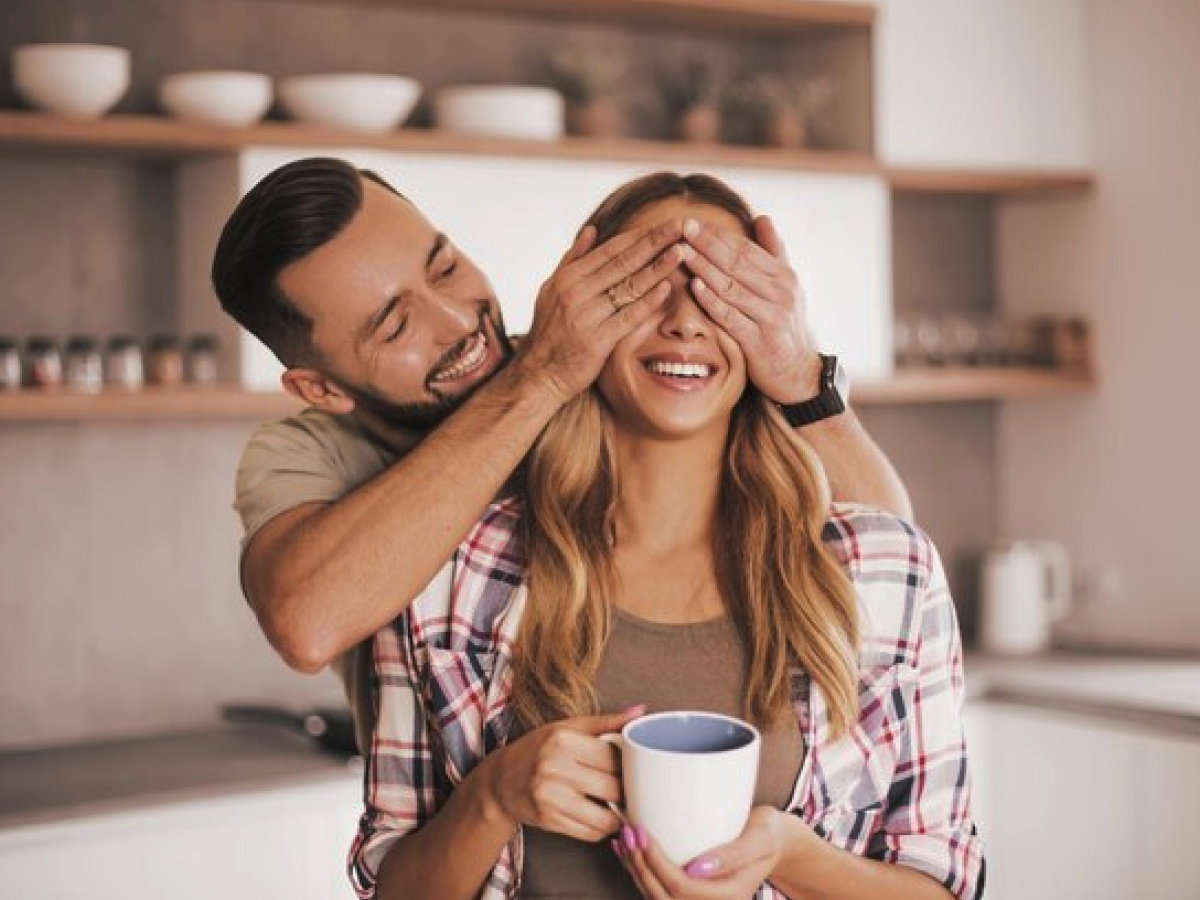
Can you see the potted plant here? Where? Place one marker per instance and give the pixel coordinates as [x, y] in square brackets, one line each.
[590, 79]
[693, 93]
[789, 110]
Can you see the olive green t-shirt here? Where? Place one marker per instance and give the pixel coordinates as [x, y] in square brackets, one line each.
[313, 457]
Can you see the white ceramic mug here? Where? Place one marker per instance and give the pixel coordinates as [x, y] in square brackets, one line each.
[689, 778]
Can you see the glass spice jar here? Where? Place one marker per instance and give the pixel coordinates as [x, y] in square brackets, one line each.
[165, 361]
[84, 365]
[43, 363]
[10, 364]
[123, 366]
[202, 363]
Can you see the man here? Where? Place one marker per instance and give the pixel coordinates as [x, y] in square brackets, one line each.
[421, 410]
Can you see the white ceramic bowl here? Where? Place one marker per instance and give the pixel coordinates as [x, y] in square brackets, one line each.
[229, 99]
[516, 111]
[79, 81]
[371, 104]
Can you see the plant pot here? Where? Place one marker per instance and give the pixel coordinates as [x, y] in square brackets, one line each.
[699, 124]
[596, 118]
[786, 128]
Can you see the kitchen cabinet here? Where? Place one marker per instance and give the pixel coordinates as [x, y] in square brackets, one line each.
[289, 842]
[1080, 806]
[1169, 796]
[990, 84]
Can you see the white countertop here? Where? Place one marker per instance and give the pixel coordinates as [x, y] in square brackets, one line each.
[1166, 687]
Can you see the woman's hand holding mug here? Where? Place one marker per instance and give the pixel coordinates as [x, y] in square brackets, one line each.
[552, 777]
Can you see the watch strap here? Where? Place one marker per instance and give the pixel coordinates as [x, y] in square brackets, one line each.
[827, 403]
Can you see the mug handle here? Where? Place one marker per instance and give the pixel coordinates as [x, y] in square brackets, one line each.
[617, 741]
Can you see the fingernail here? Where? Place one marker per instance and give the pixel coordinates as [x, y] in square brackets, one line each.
[643, 837]
[616, 847]
[628, 838]
[702, 867]
[637, 708]
[699, 285]
[691, 228]
[686, 252]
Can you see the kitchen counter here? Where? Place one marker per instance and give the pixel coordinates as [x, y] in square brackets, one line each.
[1161, 693]
[71, 782]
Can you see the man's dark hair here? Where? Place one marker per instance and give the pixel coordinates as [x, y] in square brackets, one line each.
[296, 209]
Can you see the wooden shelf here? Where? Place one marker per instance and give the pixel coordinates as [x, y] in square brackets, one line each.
[163, 136]
[960, 385]
[153, 404]
[231, 402]
[1041, 182]
[771, 18]
[146, 135]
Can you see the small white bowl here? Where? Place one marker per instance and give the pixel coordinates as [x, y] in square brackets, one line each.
[370, 104]
[516, 111]
[78, 81]
[228, 99]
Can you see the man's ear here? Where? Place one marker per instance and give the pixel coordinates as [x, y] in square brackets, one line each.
[317, 390]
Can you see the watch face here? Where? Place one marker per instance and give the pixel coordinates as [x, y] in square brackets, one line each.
[841, 380]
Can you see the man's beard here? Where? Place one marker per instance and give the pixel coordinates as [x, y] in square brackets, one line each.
[428, 414]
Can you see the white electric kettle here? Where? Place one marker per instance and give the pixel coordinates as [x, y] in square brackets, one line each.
[1026, 589]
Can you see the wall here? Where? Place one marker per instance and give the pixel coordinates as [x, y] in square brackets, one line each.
[119, 596]
[1113, 475]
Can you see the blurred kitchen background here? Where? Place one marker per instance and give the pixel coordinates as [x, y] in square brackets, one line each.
[994, 207]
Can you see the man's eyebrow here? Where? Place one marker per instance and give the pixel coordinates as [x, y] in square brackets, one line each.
[439, 241]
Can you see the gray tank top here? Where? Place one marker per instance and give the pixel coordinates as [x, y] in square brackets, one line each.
[696, 666]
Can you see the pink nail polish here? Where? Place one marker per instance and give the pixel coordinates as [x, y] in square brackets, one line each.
[643, 837]
[616, 847]
[628, 838]
[702, 867]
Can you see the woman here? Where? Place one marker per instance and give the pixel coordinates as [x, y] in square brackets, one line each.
[674, 547]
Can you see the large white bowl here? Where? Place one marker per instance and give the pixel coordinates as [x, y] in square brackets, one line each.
[516, 111]
[79, 81]
[372, 104]
[229, 99]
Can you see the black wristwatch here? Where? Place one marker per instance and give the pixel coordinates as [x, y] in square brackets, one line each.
[831, 397]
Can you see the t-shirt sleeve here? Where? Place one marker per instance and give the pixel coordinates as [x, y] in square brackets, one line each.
[302, 459]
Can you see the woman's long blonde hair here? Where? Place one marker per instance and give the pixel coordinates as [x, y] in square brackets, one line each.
[789, 599]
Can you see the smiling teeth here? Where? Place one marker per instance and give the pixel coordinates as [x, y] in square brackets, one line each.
[680, 370]
[467, 364]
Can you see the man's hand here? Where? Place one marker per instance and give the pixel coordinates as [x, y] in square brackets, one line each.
[594, 298]
[559, 776]
[752, 293]
[731, 872]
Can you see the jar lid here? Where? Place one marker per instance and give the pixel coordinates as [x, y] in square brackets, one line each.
[121, 342]
[81, 344]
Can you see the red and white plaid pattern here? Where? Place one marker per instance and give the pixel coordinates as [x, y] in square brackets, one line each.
[895, 788]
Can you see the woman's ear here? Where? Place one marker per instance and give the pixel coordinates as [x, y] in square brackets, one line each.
[317, 390]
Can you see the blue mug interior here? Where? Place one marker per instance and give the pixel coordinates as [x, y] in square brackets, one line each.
[690, 734]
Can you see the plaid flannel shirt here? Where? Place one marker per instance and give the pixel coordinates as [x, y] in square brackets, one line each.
[894, 788]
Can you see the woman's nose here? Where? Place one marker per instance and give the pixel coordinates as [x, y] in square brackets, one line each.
[683, 317]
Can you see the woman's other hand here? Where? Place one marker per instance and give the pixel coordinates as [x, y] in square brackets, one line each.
[559, 777]
[751, 291]
[730, 872]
